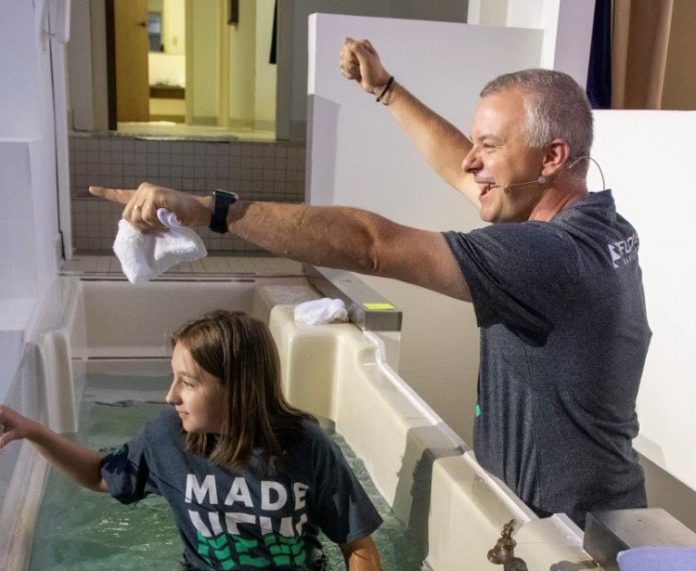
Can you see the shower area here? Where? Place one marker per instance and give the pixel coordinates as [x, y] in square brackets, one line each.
[179, 93]
[179, 69]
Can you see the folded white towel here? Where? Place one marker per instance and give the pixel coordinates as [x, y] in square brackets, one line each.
[658, 559]
[319, 311]
[145, 256]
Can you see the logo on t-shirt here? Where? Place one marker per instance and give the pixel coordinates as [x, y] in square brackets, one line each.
[277, 513]
[625, 251]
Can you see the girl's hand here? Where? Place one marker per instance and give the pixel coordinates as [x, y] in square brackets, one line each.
[14, 426]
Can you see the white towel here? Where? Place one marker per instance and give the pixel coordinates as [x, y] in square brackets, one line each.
[145, 256]
[319, 311]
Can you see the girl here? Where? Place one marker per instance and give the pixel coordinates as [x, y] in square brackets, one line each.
[250, 479]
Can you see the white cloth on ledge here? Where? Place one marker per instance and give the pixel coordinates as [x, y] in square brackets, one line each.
[321, 311]
[145, 256]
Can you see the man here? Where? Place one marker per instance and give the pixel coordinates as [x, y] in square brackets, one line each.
[555, 280]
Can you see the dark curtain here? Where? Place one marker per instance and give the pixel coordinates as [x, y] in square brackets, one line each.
[599, 72]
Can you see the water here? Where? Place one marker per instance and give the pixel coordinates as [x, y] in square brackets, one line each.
[81, 530]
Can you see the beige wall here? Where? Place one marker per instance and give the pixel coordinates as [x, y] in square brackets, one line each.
[252, 78]
[265, 96]
[167, 69]
[242, 68]
[204, 73]
[252, 83]
[174, 27]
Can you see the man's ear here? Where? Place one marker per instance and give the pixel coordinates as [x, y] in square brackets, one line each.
[556, 155]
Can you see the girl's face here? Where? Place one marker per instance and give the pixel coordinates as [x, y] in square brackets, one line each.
[197, 395]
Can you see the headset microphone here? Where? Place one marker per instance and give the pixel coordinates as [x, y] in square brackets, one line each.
[540, 180]
[589, 158]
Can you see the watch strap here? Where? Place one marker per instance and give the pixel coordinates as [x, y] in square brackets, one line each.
[223, 200]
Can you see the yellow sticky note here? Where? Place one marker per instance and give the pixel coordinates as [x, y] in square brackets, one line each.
[379, 306]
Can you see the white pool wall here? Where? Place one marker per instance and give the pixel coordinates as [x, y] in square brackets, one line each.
[421, 467]
[428, 475]
[81, 320]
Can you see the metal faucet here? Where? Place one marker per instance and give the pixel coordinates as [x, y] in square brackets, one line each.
[503, 553]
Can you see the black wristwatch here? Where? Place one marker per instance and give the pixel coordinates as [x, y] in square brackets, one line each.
[223, 200]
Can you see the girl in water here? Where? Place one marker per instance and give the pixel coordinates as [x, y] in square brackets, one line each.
[251, 480]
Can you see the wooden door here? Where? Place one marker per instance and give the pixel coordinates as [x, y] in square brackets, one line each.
[131, 46]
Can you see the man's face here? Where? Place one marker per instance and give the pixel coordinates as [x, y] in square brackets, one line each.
[501, 156]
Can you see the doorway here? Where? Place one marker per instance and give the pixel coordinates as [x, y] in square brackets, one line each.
[184, 68]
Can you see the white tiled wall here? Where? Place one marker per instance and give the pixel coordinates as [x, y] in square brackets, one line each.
[256, 170]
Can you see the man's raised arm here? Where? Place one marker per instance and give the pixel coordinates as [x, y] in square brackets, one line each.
[441, 143]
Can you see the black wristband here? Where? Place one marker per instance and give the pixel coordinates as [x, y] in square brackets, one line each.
[386, 88]
[223, 200]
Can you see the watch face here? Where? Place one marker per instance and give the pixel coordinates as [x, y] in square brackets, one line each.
[226, 193]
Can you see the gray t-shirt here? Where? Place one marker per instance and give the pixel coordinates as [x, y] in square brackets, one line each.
[564, 336]
[258, 518]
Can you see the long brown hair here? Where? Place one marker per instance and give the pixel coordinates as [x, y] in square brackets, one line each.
[240, 352]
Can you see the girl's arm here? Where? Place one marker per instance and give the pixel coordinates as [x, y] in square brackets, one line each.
[78, 462]
[361, 555]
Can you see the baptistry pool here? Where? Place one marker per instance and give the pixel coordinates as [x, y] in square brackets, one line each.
[99, 368]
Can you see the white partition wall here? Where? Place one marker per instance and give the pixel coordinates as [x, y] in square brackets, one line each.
[29, 172]
[648, 162]
[358, 156]
[567, 26]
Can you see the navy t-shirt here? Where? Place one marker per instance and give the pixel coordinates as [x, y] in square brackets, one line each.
[257, 518]
[564, 336]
